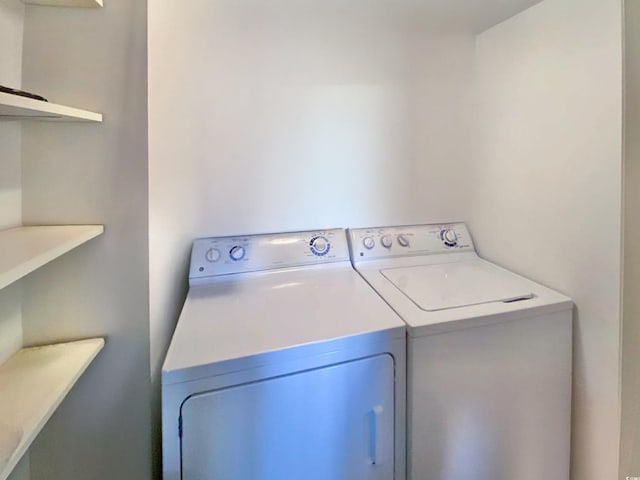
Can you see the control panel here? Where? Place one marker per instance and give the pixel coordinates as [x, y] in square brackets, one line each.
[248, 253]
[381, 242]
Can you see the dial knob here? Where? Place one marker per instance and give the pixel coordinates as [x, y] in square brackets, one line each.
[386, 241]
[368, 243]
[449, 238]
[237, 253]
[212, 255]
[319, 246]
[403, 240]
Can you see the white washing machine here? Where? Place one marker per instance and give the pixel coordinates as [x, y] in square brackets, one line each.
[284, 365]
[489, 356]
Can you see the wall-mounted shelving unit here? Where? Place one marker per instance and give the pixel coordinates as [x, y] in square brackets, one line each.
[35, 380]
[24, 249]
[66, 3]
[15, 107]
[33, 383]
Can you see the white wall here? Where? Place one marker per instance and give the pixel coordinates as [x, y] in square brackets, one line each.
[275, 116]
[11, 32]
[547, 188]
[92, 173]
[11, 26]
[630, 435]
[266, 118]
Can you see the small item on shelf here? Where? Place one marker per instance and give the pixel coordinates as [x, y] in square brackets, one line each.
[22, 93]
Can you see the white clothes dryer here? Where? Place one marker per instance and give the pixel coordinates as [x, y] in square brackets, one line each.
[489, 356]
[284, 365]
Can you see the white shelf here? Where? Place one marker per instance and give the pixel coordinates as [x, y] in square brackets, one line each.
[15, 107]
[33, 383]
[66, 3]
[24, 249]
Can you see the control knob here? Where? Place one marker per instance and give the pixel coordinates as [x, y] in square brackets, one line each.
[386, 241]
[368, 243]
[237, 252]
[212, 255]
[449, 237]
[403, 241]
[319, 246]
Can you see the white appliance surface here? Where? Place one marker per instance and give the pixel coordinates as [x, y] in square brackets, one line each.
[244, 315]
[284, 364]
[319, 434]
[438, 287]
[488, 356]
[457, 284]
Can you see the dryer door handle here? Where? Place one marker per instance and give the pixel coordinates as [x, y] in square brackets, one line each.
[374, 433]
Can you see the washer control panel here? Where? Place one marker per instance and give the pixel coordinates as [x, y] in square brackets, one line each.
[381, 242]
[247, 253]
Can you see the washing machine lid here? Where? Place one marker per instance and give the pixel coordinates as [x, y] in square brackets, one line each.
[446, 286]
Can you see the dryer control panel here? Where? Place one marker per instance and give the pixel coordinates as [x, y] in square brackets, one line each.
[248, 253]
[383, 242]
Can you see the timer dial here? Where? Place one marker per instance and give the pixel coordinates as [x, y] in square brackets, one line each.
[368, 243]
[449, 237]
[319, 245]
[237, 252]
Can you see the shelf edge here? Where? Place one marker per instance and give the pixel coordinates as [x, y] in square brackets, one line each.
[94, 346]
[33, 109]
[24, 268]
[66, 4]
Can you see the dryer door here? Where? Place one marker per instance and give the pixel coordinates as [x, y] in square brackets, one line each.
[334, 423]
